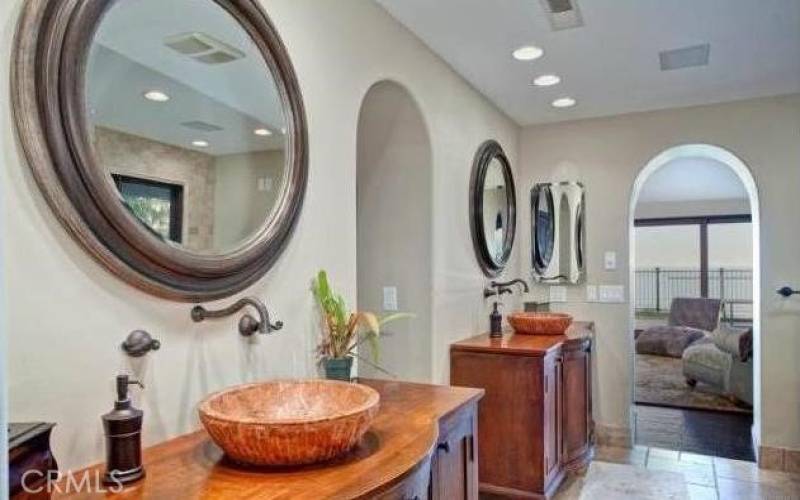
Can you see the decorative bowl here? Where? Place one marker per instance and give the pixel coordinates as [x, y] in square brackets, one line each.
[539, 323]
[289, 422]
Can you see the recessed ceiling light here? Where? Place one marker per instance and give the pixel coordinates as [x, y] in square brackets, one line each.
[546, 80]
[200, 144]
[156, 96]
[528, 53]
[564, 102]
[262, 132]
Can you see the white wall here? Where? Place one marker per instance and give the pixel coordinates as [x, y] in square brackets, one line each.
[607, 154]
[68, 316]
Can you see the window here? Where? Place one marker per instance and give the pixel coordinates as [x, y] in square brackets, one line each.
[158, 205]
[695, 257]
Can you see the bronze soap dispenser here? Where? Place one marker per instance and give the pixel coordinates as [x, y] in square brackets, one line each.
[123, 429]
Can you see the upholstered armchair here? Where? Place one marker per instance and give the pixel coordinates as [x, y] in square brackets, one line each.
[724, 361]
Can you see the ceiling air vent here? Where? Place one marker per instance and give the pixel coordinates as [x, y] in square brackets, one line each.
[201, 126]
[686, 57]
[203, 48]
[563, 14]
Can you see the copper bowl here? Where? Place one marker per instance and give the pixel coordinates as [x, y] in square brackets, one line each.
[289, 422]
[539, 323]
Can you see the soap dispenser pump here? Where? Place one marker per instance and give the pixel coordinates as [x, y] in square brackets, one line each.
[495, 323]
[123, 430]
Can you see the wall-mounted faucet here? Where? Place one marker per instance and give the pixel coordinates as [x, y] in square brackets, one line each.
[247, 325]
[497, 288]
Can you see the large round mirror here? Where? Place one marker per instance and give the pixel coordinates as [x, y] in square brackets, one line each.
[493, 208]
[177, 136]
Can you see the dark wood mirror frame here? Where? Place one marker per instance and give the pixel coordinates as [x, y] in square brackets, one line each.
[488, 151]
[48, 75]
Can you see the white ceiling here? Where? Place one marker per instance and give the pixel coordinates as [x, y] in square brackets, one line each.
[693, 179]
[611, 64]
[129, 58]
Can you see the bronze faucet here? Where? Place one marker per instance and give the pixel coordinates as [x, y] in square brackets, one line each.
[247, 325]
[497, 288]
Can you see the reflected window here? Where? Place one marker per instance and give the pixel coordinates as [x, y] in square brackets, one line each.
[159, 205]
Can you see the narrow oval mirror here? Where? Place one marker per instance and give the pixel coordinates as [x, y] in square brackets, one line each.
[186, 119]
[544, 226]
[492, 208]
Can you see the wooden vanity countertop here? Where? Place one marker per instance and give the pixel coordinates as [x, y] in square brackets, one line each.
[526, 345]
[401, 438]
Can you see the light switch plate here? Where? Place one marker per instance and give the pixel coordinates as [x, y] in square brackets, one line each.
[610, 261]
[612, 293]
[390, 298]
[558, 294]
[591, 293]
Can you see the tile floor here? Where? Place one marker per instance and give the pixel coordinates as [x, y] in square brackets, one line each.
[694, 477]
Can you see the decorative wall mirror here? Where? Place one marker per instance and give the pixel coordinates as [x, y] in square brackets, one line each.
[558, 232]
[173, 147]
[493, 208]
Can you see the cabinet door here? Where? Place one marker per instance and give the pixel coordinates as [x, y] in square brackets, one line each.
[552, 418]
[577, 390]
[454, 474]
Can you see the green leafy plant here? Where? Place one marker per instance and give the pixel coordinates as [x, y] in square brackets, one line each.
[345, 331]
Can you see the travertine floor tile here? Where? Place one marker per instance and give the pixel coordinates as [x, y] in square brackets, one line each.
[748, 471]
[627, 482]
[730, 489]
[702, 474]
[697, 492]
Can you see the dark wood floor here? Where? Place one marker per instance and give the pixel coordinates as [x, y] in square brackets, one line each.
[705, 432]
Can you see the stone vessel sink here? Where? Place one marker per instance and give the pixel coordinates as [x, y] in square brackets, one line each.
[289, 422]
[539, 323]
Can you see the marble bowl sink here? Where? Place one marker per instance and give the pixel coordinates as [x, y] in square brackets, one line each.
[539, 323]
[289, 422]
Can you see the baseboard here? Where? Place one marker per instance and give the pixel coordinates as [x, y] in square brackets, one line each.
[781, 459]
[612, 435]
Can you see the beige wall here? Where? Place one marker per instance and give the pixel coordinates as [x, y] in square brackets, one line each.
[241, 207]
[606, 155]
[136, 156]
[395, 227]
[67, 315]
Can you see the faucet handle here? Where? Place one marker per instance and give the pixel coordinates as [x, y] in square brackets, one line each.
[248, 325]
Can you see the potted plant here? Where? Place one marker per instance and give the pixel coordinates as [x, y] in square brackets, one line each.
[344, 331]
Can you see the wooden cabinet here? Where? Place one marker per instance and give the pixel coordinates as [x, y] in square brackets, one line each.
[454, 469]
[534, 422]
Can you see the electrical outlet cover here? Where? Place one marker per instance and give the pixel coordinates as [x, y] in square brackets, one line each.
[613, 294]
[610, 261]
[591, 293]
[390, 298]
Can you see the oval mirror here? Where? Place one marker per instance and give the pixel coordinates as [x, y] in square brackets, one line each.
[493, 208]
[178, 141]
[544, 227]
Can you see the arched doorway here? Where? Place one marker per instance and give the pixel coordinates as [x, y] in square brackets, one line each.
[394, 226]
[708, 285]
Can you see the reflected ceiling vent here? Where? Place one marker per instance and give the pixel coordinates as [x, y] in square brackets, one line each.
[686, 57]
[201, 126]
[563, 14]
[203, 48]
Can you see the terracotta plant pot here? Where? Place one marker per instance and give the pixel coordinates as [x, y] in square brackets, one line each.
[533, 323]
[338, 368]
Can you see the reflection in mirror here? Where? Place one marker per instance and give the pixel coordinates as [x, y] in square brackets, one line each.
[495, 210]
[558, 232]
[186, 118]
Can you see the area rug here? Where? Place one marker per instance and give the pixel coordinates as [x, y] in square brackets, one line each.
[660, 381]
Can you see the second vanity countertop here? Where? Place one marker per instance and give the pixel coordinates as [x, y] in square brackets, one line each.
[530, 345]
[402, 436]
